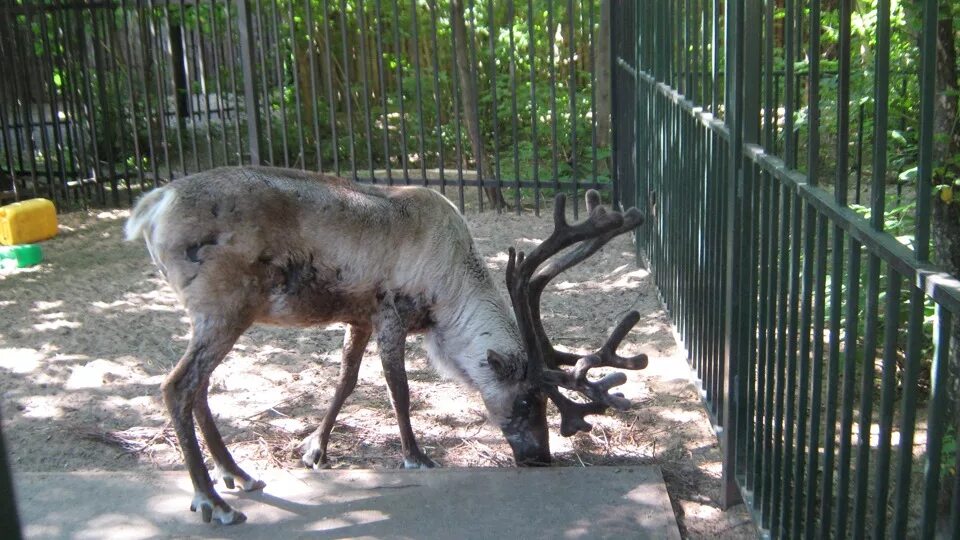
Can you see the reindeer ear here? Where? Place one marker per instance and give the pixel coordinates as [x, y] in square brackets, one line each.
[502, 366]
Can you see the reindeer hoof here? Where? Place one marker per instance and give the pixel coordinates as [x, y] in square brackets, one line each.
[313, 459]
[229, 481]
[246, 484]
[314, 455]
[220, 512]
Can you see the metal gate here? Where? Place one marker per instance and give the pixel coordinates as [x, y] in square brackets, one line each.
[818, 328]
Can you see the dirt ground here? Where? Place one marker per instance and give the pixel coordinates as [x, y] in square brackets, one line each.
[87, 337]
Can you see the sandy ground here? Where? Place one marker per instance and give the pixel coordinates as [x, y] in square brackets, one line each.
[87, 337]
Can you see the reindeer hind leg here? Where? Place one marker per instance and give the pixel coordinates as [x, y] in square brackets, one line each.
[182, 390]
[229, 471]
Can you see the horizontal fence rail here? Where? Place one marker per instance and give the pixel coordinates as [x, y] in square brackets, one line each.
[106, 98]
[792, 195]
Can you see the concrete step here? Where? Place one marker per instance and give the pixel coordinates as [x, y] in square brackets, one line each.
[554, 503]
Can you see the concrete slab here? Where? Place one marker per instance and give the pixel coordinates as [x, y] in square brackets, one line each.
[571, 503]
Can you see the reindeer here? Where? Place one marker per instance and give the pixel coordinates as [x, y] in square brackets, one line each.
[262, 245]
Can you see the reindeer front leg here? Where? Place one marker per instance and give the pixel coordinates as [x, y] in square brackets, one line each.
[354, 343]
[391, 339]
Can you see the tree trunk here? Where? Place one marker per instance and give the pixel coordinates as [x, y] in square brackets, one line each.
[602, 66]
[946, 213]
[468, 89]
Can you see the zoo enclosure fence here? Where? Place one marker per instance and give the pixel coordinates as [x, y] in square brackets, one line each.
[819, 330]
[104, 98]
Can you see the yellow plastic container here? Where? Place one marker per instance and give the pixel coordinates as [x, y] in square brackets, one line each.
[27, 221]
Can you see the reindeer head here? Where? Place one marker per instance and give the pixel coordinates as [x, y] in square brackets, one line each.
[527, 276]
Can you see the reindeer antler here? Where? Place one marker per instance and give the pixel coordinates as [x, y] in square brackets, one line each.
[526, 282]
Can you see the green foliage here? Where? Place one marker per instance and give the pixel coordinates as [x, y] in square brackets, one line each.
[361, 83]
[948, 453]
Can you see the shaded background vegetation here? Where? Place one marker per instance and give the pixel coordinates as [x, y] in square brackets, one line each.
[142, 92]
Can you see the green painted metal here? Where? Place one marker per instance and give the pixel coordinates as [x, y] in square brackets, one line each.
[802, 318]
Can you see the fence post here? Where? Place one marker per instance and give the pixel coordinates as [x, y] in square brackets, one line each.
[249, 88]
[737, 222]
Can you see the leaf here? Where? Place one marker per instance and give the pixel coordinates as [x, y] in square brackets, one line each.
[946, 194]
[908, 175]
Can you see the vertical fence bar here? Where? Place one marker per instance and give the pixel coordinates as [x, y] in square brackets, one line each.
[272, 29]
[328, 69]
[555, 150]
[232, 73]
[185, 92]
[849, 375]
[53, 97]
[381, 75]
[769, 467]
[887, 398]
[404, 155]
[533, 109]
[750, 112]
[347, 91]
[249, 88]
[368, 140]
[819, 313]
[314, 85]
[837, 270]
[492, 38]
[7, 124]
[436, 93]
[99, 53]
[200, 72]
[737, 216]
[117, 117]
[456, 115]
[574, 177]
[781, 359]
[266, 97]
[593, 91]
[421, 142]
[928, 76]
[877, 199]
[294, 68]
[159, 76]
[143, 88]
[474, 105]
[938, 416]
[218, 80]
[805, 478]
[511, 14]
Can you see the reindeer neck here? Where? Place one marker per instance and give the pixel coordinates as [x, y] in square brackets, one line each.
[473, 321]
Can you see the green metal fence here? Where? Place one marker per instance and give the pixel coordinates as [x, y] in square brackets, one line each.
[101, 98]
[818, 328]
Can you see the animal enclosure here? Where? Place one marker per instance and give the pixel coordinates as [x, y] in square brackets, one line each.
[797, 210]
[106, 98]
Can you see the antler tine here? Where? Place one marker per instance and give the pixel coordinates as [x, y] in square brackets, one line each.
[608, 353]
[572, 413]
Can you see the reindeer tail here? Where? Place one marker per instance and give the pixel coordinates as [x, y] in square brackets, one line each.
[147, 212]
